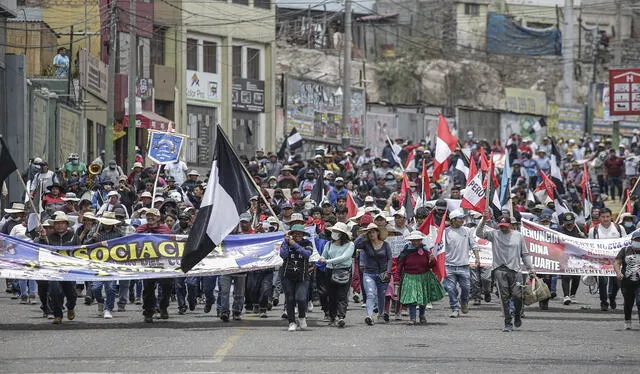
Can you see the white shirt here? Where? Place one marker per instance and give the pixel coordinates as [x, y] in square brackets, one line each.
[607, 233]
[20, 232]
[176, 170]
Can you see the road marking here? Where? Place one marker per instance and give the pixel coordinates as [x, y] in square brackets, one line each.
[223, 351]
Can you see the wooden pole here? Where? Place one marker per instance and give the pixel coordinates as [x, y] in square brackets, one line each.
[627, 200]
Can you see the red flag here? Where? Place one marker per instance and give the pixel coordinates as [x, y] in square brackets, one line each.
[352, 208]
[440, 271]
[628, 207]
[445, 146]
[347, 165]
[474, 193]
[425, 228]
[410, 160]
[547, 185]
[426, 184]
[484, 162]
[406, 197]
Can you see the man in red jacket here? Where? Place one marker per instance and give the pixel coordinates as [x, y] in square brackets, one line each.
[154, 226]
[614, 170]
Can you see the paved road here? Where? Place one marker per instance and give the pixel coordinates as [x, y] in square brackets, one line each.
[569, 339]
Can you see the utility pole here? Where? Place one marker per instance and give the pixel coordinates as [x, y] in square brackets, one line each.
[346, 78]
[111, 86]
[567, 53]
[133, 49]
[617, 62]
[69, 76]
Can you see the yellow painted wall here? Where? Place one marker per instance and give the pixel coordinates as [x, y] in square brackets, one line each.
[60, 14]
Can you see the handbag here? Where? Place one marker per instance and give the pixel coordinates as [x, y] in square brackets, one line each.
[536, 290]
[341, 276]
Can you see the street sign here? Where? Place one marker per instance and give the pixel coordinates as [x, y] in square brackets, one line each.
[624, 92]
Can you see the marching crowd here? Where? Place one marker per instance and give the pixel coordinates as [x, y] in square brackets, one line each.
[339, 210]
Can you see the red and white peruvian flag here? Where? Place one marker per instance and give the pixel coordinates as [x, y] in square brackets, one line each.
[474, 195]
[445, 146]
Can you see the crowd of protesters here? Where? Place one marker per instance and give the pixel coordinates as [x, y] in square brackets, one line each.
[333, 255]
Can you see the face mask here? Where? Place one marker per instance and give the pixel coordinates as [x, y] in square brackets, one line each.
[635, 244]
[74, 162]
[37, 167]
[628, 225]
[335, 236]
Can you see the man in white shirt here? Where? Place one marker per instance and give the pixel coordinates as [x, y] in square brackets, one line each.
[607, 230]
[176, 169]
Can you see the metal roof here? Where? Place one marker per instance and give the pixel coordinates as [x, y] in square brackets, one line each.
[333, 6]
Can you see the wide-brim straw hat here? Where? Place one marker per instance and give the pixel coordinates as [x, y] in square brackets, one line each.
[372, 226]
[342, 228]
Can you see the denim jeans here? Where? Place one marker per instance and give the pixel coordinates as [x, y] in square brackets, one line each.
[375, 290]
[608, 288]
[224, 282]
[457, 275]
[135, 288]
[109, 289]
[28, 288]
[123, 292]
[480, 283]
[412, 311]
[58, 290]
[208, 288]
[296, 292]
[277, 284]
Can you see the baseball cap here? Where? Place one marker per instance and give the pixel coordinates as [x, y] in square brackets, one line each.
[369, 199]
[504, 222]
[635, 235]
[458, 213]
[246, 217]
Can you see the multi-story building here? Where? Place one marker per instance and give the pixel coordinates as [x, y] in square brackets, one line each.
[222, 57]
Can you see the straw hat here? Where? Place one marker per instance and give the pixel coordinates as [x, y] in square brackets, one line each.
[372, 226]
[15, 208]
[108, 219]
[414, 235]
[70, 196]
[61, 216]
[341, 228]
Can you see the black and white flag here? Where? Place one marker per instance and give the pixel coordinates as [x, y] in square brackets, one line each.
[229, 189]
[293, 141]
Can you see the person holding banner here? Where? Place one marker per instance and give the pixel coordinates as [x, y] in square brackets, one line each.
[627, 267]
[607, 286]
[62, 236]
[508, 249]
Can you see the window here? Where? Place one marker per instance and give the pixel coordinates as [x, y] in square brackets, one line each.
[264, 4]
[157, 46]
[472, 9]
[243, 2]
[192, 54]
[253, 63]
[209, 57]
[236, 61]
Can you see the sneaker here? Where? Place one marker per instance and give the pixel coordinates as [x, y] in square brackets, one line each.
[107, 314]
[429, 306]
[275, 302]
[454, 314]
[224, 317]
[292, 327]
[411, 322]
[517, 322]
[236, 316]
[207, 308]
[573, 298]
[164, 313]
[100, 308]
[138, 301]
[263, 314]
[627, 325]
[326, 318]
[332, 322]
[148, 319]
[302, 322]
[356, 298]
[256, 309]
[398, 317]
[368, 320]
[464, 308]
[24, 299]
[553, 295]
[508, 328]
[385, 317]
[487, 297]
[71, 314]
[32, 300]
[192, 306]
[57, 320]
[423, 320]
[284, 315]
[182, 311]
[87, 300]
[477, 302]
[341, 323]
[121, 308]
[310, 307]
[363, 305]
[604, 306]
[50, 316]
[567, 300]
[613, 304]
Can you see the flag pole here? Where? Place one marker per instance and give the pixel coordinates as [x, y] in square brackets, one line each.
[391, 145]
[253, 181]
[626, 201]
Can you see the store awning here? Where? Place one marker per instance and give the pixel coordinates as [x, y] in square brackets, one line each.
[148, 120]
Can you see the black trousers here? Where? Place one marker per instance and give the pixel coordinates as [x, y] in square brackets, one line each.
[259, 288]
[338, 295]
[296, 293]
[570, 284]
[149, 295]
[322, 280]
[43, 293]
[631, 295]
[59, 290]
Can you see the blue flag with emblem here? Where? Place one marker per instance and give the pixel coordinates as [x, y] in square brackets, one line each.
[165, 148]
